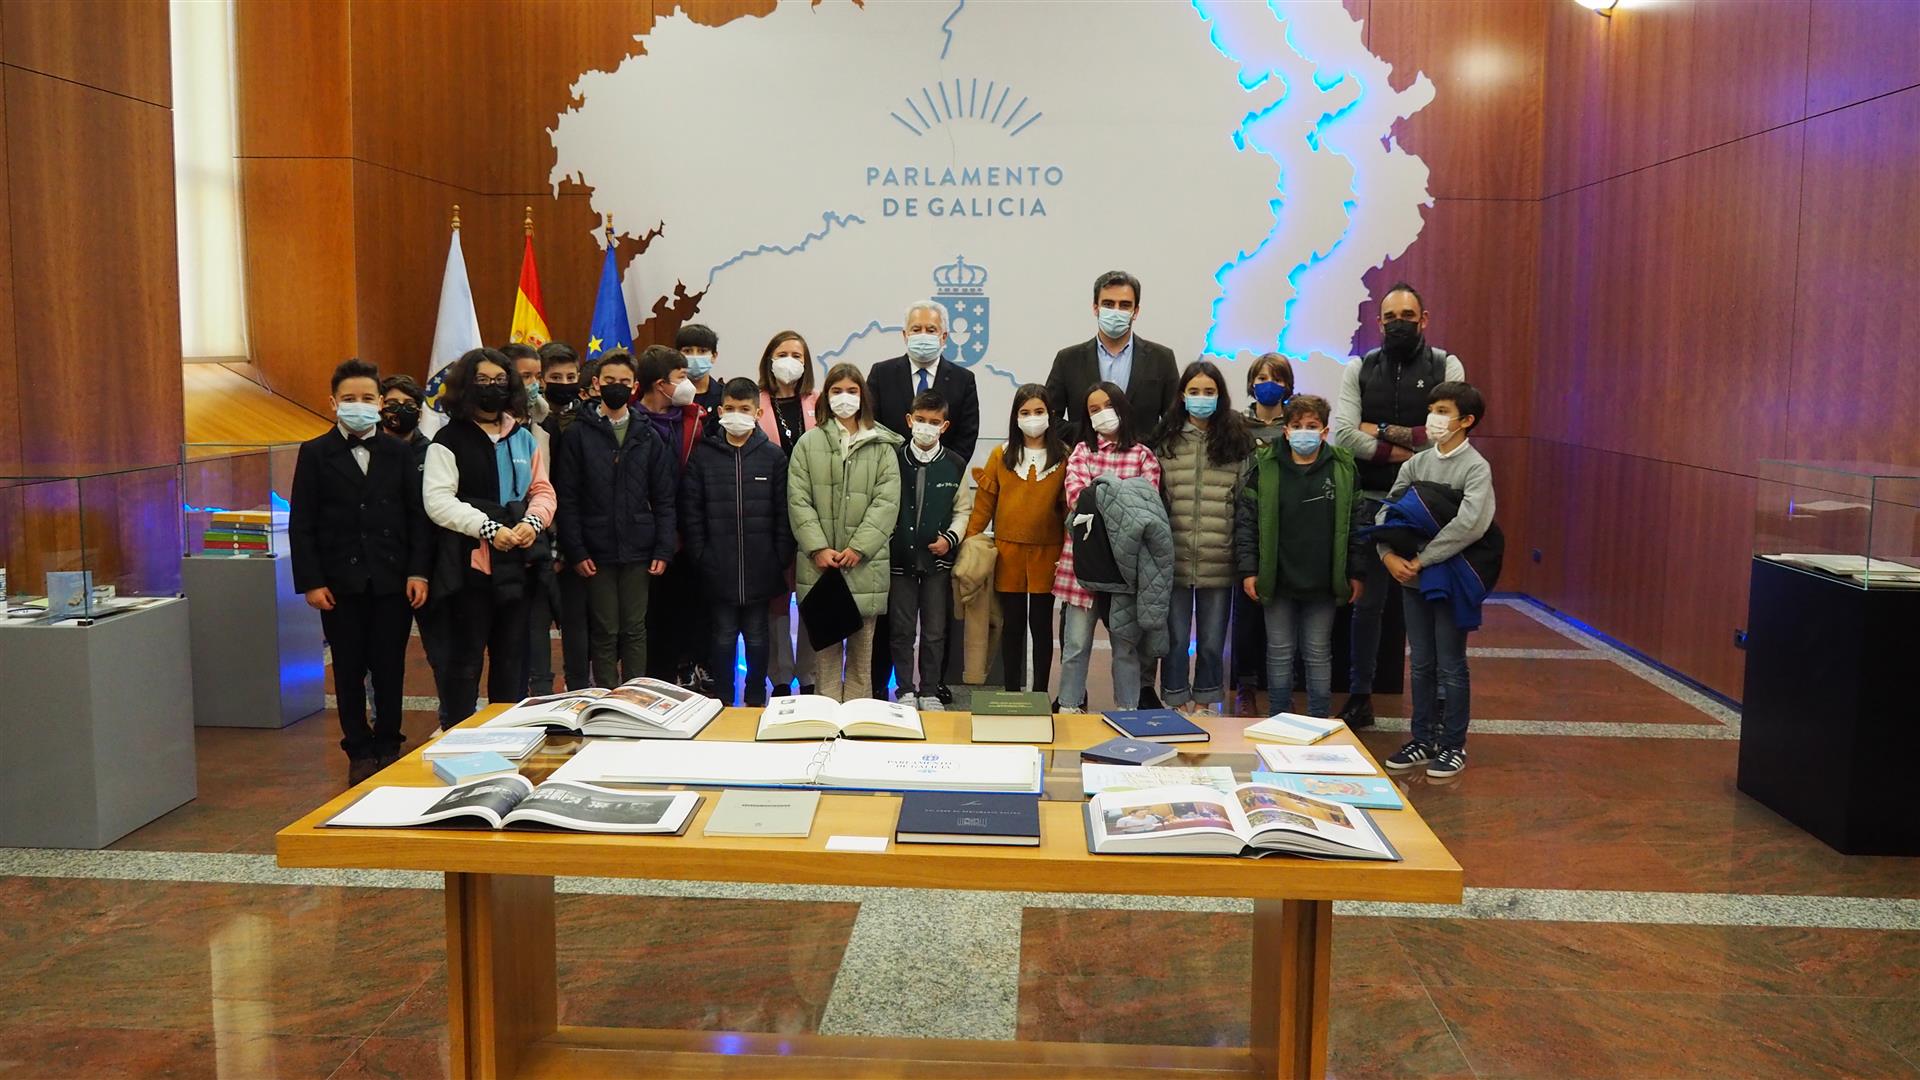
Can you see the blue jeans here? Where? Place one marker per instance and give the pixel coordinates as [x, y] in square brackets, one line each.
[1438, 648]
[1076, 653]
[1365, 634]
[1309, 623]
[1209, 676]
[742, 621]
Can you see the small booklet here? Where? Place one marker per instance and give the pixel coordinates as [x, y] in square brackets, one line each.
[1337, 759]
[636, 709]
[466, 768]
[815, 716]
[513, 801]
[840, 763]
[1253, 820]
[1155, 725]
[1293, 728]
[514, 745]
[937, 817]
[1012, 716]
[1123, 751]
[763, 813]
[1371, 792]
[1096, 778]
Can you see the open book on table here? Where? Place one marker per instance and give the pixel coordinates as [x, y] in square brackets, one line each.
[636, 709]
[841, 763]
[1254, 820]
[815, 716]
[513, 801]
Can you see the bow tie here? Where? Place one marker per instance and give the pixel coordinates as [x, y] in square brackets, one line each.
[364, 440]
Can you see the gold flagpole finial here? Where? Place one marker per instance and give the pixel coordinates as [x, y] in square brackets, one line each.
[456, 216]
[609, 227]
[529, 221]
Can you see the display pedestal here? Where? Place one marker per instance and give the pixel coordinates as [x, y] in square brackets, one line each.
[258, 653]
[98, 726]
[1828, 714]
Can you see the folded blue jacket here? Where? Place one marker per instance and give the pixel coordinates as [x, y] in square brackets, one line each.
[1462, 581]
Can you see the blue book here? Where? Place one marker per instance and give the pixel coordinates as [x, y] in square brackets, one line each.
[1370, 792]
[939, 817]
[1155, 725]
[1128, 752]
[466, 767]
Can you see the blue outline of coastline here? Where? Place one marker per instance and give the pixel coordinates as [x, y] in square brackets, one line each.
[828, 218]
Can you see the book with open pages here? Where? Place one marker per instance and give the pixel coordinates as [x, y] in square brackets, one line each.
[508, 802]
[1252, 820]
[816, 716]
[636, 709]
[848, 764]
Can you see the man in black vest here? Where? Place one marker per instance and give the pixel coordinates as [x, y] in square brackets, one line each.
[1115, 354]
[360, 554]
[1381, 416]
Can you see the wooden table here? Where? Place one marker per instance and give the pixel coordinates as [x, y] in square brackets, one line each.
[500, 923]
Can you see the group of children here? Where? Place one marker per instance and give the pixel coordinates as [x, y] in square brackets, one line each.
[557, 493]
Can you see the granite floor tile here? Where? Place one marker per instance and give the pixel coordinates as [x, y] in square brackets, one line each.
[382, 1058]
[41, 917]
[1503, 627]
[1796, 864]
[1896, 1020]
[1197, 946]
[1500, 954]
[1578, 691]
[67, 1052]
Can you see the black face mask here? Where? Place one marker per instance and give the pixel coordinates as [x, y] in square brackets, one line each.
[401, 419]
[615, 396]
[490, 398]
[1401, 338]
[563, 394]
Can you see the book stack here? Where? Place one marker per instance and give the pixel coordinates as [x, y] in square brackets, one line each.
[238, 532]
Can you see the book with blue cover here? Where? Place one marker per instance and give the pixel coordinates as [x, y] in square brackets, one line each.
[934, 817]
[1124, 751]
[465, 767]
[1155, 725]
[1371, 792]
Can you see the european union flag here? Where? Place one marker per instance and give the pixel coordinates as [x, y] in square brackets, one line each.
[611, 327]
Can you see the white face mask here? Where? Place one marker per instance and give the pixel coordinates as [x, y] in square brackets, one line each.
[1106, 421]
[844, 403]
[683, 392]
[788, 369]
[737, 423]
[1033, 426]
[1438, 426]
[925, 434]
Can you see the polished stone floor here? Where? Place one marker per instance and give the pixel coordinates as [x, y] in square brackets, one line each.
[1629, 914]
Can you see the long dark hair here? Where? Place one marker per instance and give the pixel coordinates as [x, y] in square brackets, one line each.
[457, 390]
[1017, 440]
[768, 384]
[1227, 438]
[1123, 436]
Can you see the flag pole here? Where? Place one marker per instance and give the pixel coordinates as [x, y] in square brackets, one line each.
[456, 217]
[529, 221]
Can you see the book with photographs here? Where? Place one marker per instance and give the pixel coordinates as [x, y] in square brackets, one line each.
[845, 764]
[510, 802]
[1252, 820]
[1286, 727]
[815, 716]
[1371, 792]
[636, 709]
[1011, 716]
[1334, 759]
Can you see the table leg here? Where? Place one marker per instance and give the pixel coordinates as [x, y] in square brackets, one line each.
[1292, 965]
[500, 971]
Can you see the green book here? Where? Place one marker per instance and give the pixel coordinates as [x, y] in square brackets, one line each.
[1012, 716]
[1011, 703]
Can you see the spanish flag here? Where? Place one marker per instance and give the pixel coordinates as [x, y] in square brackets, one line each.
[529, 316]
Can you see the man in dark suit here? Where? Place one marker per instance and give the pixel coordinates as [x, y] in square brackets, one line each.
[1144, 369]
[894, 383]
[360, 549]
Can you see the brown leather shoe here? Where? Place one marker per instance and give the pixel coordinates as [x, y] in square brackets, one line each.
[361, 770]
[1246, 702]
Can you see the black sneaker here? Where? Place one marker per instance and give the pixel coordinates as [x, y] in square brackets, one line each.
[1358, 711]
[1447, 763]
[1150, 699]
[945, 695]
[1408, 756]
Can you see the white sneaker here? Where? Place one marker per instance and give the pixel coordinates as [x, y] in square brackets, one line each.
[928, 703]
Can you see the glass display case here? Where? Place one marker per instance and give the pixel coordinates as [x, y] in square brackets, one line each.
[234, 498]
[1855, 522]
[83, 547]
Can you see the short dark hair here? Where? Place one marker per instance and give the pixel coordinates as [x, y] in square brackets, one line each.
[1117, 277]
[1465, 397]
[696, 336]
[617, 356]
[929, 400]
[1303, 405]
[456, 390]
[519, 350]
[741, 389]
[557, 352]
[404, 384]
[1123, 436]
[1401, 286]
[353, 368]
[656, 362]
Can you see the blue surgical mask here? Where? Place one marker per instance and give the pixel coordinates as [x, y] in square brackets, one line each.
[357, 416]
[1269, 393]
[1114, 322]
[923, 348]
[1304, 441]
[1201, 406]
[698, 364]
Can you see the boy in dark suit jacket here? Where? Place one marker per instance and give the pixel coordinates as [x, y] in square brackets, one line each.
[360, 556]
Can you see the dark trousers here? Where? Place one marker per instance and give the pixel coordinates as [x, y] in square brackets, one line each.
[617, 597]
[1365, 656]
[482, 626]
[1026, 617]
[680, 622]
[730, 623]
[882, 665]
[1437, 649]
[560, 598]
[1249, 642]
[368, 635]
[918, 606]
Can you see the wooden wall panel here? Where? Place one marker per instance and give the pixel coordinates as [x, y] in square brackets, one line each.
[1701, 586]
[299, 237]
[119, 46]
[1860, 49]
[290, 78]
[10, 457]
[1855, 371]
[1481, 136]
[1600, 521]
[90, 190]
[1659, 81]
[1511, 460]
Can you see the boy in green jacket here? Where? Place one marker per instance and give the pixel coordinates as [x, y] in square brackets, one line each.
[1296, 548]
[935, 503]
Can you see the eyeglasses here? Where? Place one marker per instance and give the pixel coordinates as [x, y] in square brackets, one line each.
[482, 380]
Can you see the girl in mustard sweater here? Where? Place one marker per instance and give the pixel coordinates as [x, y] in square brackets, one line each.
[1021, 495]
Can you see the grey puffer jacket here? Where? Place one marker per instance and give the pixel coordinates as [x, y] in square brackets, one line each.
[1200, 500]
[1142, 542]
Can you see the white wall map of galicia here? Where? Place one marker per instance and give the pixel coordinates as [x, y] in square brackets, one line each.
[820, 168]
